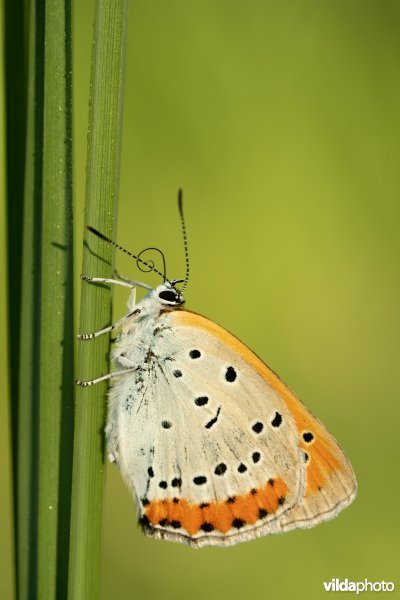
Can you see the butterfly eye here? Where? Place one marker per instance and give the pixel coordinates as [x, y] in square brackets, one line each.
[167, 295]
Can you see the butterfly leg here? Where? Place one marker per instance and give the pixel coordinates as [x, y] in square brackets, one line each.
[90, 336]
[132, 281]
[103, 378]
[131, 306]
[106, 280]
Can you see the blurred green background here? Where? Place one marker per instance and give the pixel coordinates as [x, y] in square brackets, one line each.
[281, 122]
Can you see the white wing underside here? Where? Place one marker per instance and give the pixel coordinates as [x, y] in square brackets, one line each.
[158, 434]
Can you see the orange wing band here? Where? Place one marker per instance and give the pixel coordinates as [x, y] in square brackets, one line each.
[233, 513]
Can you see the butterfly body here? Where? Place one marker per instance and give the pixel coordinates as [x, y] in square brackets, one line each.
[213, 446]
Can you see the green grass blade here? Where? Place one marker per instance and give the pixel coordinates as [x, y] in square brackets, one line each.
[26, 457]
[45, 388]
[15, 95]
[56, 309]
[15, 55]
[105, 123]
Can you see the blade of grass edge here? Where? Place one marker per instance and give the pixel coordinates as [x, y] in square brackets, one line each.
[103, 159]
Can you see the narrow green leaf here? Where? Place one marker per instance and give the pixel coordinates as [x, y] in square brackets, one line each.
[105, 123]
[15, 51]
[56, 309]
[26, 454]
[15, 43]
[45, 389]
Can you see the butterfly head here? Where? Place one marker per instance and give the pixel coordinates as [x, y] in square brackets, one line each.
[168, 295]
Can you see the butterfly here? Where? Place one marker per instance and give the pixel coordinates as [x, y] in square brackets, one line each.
[213, 446]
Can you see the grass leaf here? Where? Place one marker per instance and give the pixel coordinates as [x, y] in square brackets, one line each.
[56, 308]
[105, 123]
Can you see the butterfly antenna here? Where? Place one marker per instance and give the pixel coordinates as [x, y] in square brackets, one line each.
[139, 261]
[185, 243]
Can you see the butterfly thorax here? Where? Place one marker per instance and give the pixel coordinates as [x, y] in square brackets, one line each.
[136, 343]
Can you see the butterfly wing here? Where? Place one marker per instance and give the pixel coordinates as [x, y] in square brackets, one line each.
[213, 445]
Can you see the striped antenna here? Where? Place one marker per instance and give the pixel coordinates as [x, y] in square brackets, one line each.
[185, 243]
[150, 266]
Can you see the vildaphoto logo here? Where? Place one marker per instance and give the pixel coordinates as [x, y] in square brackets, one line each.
[337, 585]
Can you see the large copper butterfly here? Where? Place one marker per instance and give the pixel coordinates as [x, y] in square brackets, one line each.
[213, 446]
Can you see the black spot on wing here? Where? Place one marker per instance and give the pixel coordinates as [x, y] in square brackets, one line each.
[200, 480]
[213, 420]
[230, 374]
[201, 401]
[258, 427]
[144, 522]
[308, 437]
[238, 523]
[175, 524]
[220, 469]
[277, 420]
